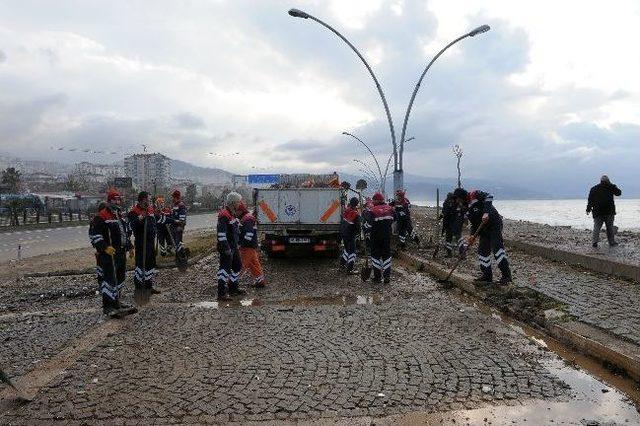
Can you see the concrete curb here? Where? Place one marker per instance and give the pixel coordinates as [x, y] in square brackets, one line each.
[596, 264]
[586, 338]
[87, 271]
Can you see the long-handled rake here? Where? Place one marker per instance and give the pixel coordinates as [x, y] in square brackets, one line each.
[472, 240]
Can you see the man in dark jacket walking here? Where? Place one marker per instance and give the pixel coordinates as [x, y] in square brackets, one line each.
[603, 209]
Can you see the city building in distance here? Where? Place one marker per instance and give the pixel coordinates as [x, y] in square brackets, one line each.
[148, 172]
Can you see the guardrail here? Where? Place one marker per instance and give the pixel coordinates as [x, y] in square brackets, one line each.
[27, 218]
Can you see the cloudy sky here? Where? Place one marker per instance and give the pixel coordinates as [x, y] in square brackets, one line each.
[550, 97]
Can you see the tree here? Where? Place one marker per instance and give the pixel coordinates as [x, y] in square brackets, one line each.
[457, 151]
[190, 196]
[76, 182]
[11, 179]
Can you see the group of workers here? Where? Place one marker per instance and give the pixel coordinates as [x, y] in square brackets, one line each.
[375, 223]
[485, 223]
[377, 218]
[110, 234]
[237, 236]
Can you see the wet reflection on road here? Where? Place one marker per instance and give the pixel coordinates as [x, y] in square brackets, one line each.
[335, 300]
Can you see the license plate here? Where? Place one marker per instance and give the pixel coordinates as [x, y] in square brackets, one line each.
[295, 240]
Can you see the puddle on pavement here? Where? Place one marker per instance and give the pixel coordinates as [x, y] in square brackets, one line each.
[208, 305]
[599, 395]
[336, 300]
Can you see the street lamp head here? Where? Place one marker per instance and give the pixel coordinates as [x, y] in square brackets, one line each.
[481, 29]
[297, 13]
[345, 133]
[410, 139]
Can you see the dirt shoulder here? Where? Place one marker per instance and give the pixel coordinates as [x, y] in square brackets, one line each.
[83, 259]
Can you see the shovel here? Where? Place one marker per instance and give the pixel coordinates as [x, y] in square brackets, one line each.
[462, 255]
[4, 378]
[181, 256]
[365, 270]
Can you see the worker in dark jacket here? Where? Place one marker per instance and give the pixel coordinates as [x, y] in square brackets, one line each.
[249, 253]
[401, 206]
[365, 219]
[349, 229]
[163, 221]
[228, 236]
[142, 221]
[481, 212]
[109, 235]
[452, 219]
[380, 221]
[603, 209]
[179, 219]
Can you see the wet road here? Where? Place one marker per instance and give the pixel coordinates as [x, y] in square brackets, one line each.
[314, 345]
[35, 242]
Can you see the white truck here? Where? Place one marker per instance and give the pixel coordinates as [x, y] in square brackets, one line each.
[299, 220]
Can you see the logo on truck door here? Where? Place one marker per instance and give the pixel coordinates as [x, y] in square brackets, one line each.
[290, 210]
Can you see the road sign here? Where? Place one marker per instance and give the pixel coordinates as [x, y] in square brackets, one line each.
[122, 182]
[263, 179]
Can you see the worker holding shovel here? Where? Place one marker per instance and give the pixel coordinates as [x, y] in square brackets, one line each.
[487, 222]
[143, 224]
[109, 235]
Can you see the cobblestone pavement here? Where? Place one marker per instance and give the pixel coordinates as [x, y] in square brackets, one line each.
[314, 344]
[576, 240]
[597, 299]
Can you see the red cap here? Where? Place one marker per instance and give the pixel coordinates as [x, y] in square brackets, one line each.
[113, 194]
[378, 198]
[175, 194]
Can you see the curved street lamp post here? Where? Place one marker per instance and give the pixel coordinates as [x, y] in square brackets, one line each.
[375, 159]
[297, 13]
[398, 151]
[398, 174]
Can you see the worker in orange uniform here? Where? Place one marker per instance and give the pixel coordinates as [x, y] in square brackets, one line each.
[249, 246]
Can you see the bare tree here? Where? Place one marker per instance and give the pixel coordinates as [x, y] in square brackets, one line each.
[458, 153]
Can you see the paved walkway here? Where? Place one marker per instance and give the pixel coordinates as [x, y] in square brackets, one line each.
[316, 344]
[597, 299]
[576, 240]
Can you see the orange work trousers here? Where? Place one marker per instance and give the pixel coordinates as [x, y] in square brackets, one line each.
[251, 263]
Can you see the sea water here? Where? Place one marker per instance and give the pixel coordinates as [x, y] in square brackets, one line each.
[564, 212]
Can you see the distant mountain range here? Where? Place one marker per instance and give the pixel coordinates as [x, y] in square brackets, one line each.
[421, 188]
[206, 175]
